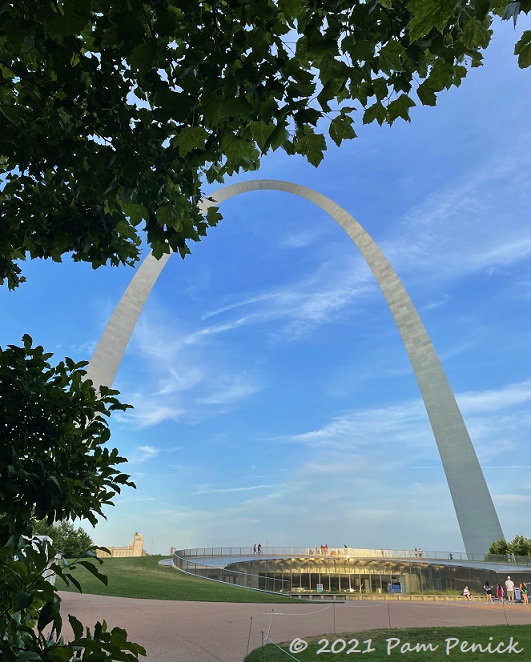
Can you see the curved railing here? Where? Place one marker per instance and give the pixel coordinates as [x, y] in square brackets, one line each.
[247, 551]
[234, 577]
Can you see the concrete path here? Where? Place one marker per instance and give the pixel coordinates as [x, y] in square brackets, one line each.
[207, 631]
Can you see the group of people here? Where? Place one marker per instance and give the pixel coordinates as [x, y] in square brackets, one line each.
[508, 591]
[257, 548]
[418, 553]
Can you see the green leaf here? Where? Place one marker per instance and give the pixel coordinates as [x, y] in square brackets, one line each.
[22, 601]
[166, 215]
[65, 25]
[475, 34]
[237, 149]
[380, 89]
[400, 108]
[482, 9]
[68, 578]
[49, 614]
[341, 129]
[144, 55]
[311, 145]
[261, 133]
[426, 94]
[190, 138]
[213, 216]
[77, 626]
[523, 50]
[375, 112]
[329, 92]
[428, 15]
[390, 58]
[94, 571]
[290, 9]
[136, 213]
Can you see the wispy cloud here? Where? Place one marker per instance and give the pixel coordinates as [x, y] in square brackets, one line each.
[512, 395]
[225, 490]
[302, 305]
[230, 390]
[363, 436]
[461, 228]
[135, 500]
[143, 454]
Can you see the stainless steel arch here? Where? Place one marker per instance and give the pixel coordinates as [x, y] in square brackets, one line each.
[473, 504]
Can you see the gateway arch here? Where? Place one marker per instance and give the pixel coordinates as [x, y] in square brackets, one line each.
[472, 501]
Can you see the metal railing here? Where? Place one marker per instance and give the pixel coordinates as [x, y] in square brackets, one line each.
[258, 582]
[247, 551]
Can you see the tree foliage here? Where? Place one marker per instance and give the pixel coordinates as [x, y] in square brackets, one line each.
[54, 465]
[519, 546]
[115, 113]
[71, 542]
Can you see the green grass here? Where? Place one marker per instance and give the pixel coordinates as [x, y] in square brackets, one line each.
[145, 578]
[428, 644]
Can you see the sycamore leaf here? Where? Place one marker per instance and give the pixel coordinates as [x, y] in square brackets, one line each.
[426, 94]
[135, 212]
[277, 138]
[428, 15]
[375, 112]
[143, 56]
[290, 9]
[523, 50]
[341, 129]
[328, 92]
[189, 138]
[311, 145]
[166, 215]
[400, 108]
[475, 34]
[261, 132]
[213, 216]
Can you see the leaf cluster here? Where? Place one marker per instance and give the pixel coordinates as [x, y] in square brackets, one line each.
[54, 465]
[30, 617]
[114, 113]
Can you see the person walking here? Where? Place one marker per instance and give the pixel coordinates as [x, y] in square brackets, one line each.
[499, 593]
[523, 592]
[488, 592]
[509, 587]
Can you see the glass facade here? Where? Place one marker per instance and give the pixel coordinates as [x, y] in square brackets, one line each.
[371, 572]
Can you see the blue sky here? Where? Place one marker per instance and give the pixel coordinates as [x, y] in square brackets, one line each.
[274, 400]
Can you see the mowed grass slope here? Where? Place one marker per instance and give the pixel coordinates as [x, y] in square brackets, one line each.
[145, 578]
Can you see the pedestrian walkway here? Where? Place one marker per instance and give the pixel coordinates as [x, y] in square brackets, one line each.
[173, 631]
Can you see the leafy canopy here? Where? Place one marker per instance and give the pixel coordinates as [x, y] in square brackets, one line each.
[113, 114]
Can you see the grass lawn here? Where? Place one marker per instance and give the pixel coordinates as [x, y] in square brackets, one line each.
[426, 644]
[143, 577]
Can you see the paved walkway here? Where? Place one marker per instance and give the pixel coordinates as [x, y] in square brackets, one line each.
[208, 631]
